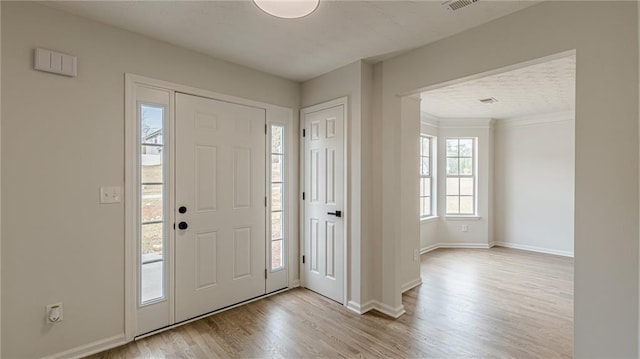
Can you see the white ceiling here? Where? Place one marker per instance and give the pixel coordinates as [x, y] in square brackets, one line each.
[338, 33]
[537, 89]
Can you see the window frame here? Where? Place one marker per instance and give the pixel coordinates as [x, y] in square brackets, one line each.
[430, 176]
[473, 176]
[283, 199]
[164, 188]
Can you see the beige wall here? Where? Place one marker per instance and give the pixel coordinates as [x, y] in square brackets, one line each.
[63, 138]
[534, 182]
[605, 37]
[354, 82]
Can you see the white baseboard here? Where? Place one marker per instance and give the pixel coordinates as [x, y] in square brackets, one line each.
[361, 308]
[388, 310]
[295, 284]
[91, 348]
[534, 249]
[411, 284]
[429, 248]
[464, 245]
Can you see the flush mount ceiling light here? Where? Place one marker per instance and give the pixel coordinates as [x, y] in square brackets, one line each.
[287, 9]
[488, 100]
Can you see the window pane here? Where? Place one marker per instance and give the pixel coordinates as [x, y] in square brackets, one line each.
[277, 137]
[424, 166]
[276, 225]
[151, 240]
[425, 206]
[466, 166]
[277, 168]
[151, 123]
[466, 186]
[452, 148]
[152, 281]
[452, 166]
[151, 203]
[453, 205]
[276, 197]
[466, 147]
[425, 187]
[466, 205]
[425, 147]
[452, 186]
[276, 254]
[151, 164]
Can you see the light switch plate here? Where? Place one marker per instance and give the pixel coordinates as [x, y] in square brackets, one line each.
[110, 194]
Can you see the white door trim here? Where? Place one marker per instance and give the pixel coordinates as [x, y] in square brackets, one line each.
[344, 101]
[275, 114]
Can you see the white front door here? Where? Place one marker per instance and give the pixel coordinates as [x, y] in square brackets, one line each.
[220, 205]
[324, 201]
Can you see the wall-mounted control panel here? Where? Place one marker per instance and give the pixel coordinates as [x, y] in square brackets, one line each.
[56, 62]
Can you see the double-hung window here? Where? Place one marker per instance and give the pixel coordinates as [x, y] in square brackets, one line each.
[461, 176]
[426, 176]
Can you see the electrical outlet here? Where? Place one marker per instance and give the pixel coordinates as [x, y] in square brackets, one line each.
[416, 254]
[465, 228]
[54, 313]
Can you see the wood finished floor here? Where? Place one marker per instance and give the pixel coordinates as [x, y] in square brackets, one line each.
[473, 303]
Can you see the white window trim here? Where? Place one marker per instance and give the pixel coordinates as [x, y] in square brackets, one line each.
[474, 160]
[432, 176]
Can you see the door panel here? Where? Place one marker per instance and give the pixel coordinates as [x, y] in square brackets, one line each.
[324, 182]
[220, 179]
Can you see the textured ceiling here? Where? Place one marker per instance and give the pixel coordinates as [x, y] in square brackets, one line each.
[542, 88]
[338, 33]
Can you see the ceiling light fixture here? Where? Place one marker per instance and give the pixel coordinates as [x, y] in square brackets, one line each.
[288, 9]
[488, 100]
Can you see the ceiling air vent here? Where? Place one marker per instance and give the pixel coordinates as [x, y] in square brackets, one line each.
[458, 4]
[488, 100]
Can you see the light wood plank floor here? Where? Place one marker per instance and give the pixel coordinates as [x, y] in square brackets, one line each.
[473, 303]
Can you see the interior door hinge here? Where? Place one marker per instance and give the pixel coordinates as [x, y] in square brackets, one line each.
[265, 273]
[265, 201]
[303, 259]
[304, 133]
[303, 196]
[265, 129]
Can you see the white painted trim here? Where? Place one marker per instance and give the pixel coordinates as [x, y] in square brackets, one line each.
[429, 219]
[131, 80]
[446, 123]
[91, 348]
[534, 249]
[344, 101]
[429, 248]
[462, 218]
[361, 308]
[464, 245]
[536, 120]
[388, 310]
[429, 119]
[495, 244]
[411, 284]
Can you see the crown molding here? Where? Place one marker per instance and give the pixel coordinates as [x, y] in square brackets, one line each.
[536, 120]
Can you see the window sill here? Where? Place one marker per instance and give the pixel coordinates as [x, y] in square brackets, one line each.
[462, 218]
[429, 219]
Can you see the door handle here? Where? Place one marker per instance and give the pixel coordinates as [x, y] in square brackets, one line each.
[336, 213]
[182, 209]
[183, 225]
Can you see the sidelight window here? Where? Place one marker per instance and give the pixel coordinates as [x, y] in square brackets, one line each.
[277, 197]
[152, 200]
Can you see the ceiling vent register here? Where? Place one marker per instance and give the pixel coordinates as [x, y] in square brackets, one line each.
[458, 4]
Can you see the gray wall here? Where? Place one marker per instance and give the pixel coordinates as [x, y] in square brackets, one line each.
[63, 138]
[605, 36]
